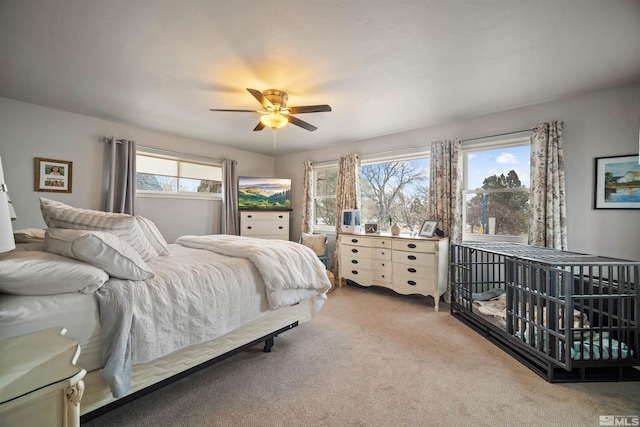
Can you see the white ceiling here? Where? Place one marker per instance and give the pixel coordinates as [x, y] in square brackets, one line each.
[383, 66]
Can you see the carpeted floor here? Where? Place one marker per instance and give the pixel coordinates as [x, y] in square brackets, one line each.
[375, 358]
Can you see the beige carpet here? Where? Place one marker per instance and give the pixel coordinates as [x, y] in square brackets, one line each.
[375, 358]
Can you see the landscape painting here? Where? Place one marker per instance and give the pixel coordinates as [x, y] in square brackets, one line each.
[264, 193]
[617, 182]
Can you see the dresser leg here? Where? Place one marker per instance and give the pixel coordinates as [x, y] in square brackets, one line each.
[73, 395]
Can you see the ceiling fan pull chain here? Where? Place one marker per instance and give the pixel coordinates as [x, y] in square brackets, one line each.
[274, 138]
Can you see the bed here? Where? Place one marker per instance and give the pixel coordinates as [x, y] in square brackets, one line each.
[568, 316]
[146, 314]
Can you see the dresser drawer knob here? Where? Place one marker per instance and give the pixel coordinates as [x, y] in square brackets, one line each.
[280, 216]
[354, 271]
[249, 216]
[411, 282]
[281, 227]
[355, 251]
[412, 257]
[411, 245]
[249, 227]
[411, 270]
[354, 261]
[354, 240]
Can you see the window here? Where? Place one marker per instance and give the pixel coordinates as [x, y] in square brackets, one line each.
[396, 188]
[496, 191]
[325, 181]
[163, 174]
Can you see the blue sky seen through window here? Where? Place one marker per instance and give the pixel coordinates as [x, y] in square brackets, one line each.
[485, 163]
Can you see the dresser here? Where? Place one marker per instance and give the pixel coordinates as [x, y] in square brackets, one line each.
[265, 224]
[407, 265]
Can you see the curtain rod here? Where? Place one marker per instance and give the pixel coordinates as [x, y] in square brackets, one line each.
[498, 134]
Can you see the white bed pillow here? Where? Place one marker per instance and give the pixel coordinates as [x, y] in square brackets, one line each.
[42, 273]
[101, 249]
[59, 215]
[153, 235]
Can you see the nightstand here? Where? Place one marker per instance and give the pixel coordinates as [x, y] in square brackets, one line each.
[39, 382]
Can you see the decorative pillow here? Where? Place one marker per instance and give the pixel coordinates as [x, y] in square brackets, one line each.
[315, 242]
[103, 250]
[29, 235]
[39, 246]
[153, 235]
[59, 215]
[42, 273]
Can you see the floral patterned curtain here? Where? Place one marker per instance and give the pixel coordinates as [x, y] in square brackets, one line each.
[307, 196]
[445, 192]
[347, 193]
[548, 216]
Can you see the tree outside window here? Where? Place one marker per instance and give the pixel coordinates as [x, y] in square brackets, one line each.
[397, 190]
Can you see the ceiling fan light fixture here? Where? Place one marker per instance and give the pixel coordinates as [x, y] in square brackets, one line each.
[274, 120]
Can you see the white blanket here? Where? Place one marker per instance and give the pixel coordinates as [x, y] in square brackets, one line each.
[291, 272]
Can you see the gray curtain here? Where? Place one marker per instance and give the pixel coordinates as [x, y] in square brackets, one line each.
[121, 195]
[548, 215]
[307, 196]
[347, 195]
[229, 198]
[445, 187]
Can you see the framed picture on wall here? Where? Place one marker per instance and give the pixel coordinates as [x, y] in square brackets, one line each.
[617, 182]
[53, 175]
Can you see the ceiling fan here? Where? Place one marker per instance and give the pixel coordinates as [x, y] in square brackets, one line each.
[275, 113]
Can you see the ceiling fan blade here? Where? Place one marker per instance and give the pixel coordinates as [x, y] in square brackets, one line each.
[233, 111]
[310, 109]
[302, 124]
[258, 127]
[260, 97]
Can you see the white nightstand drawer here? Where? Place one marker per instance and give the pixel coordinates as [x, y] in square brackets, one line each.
[265, 216]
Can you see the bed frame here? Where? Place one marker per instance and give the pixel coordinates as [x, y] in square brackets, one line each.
[544, 289]
[150, 376]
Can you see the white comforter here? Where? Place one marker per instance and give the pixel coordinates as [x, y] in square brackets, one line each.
[197, 295]
[291, 272]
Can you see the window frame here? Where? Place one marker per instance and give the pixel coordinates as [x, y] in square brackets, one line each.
[180, 158]
[493, 145]
[322, 227]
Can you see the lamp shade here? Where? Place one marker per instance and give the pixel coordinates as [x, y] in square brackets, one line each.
[6, 232]
[274, 120]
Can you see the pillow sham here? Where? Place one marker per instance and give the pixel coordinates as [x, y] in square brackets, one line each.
[42, 273]
[29, 235]
[59, 215]
[100, 249]
[153, 235]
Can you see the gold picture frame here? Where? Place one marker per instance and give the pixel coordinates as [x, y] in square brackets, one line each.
[53, 175]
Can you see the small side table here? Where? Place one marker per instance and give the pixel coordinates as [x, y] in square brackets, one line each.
[39, 382]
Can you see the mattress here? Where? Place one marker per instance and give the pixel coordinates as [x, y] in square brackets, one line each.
[77, 312]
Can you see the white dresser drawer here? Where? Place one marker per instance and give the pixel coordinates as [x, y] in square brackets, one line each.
[361, 263]
[414, 245]
[414, 258]
[264, 227]
[264, 216]
[360, 276]
[355, 251]
[419, 271]
[381, 253]
[355, 240]
[412, 285]
[381, 242]
[382, 272]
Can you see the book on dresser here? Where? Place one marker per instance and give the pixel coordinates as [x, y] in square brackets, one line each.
[265, 224]
[405, 264]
